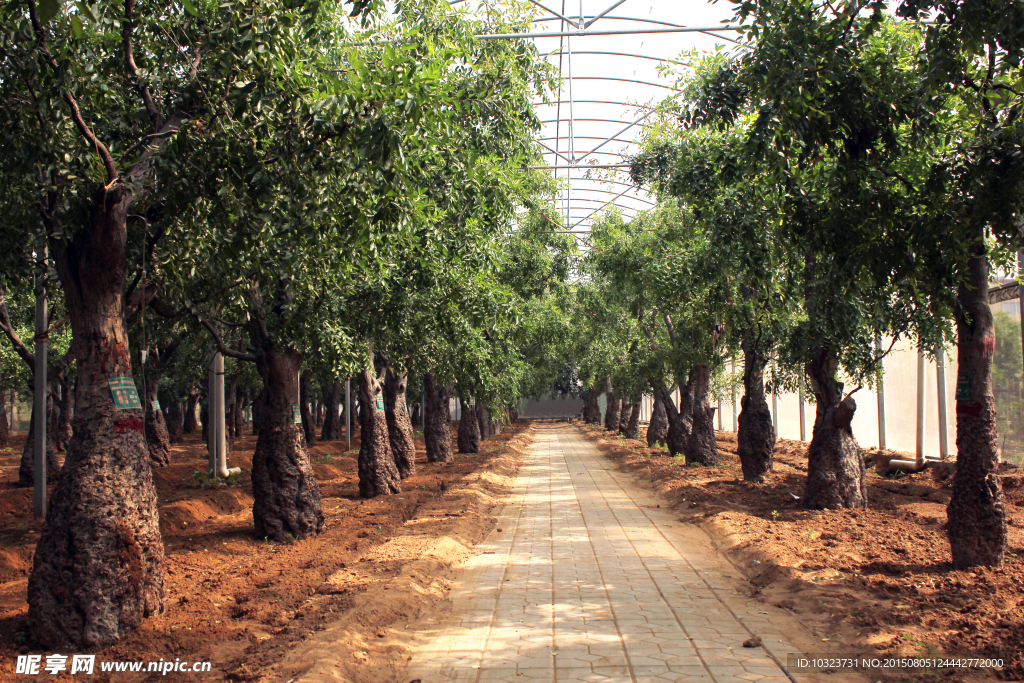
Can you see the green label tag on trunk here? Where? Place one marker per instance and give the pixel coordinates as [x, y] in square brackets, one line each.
[296, 415]
[963, 387]
[126, 396]
[156, 404]
[380, 403]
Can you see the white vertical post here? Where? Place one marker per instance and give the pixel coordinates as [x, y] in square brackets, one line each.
[920, 405]
[881, 397]
[40, 381]
[218, 426]
[211, 412]
[940, 377]
[735, 416]
[775, 414]
[719, 414]
[348, 414]
[803, 416]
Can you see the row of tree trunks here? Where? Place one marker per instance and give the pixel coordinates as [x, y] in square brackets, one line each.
[469, 424]
[157, 438]
[591, 408]
[27, 465]
[378, 473]
[657, 429]
[756, 435]
[332, 400]
[487, 427]
[5, 433]
[308, 425]
[438, 435]
[400, 431]
[175, 421]
[701, 445]
[632, 428]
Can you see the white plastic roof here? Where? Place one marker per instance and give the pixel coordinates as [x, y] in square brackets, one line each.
[608, 53]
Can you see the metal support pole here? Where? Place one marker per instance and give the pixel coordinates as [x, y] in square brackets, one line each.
[803, 416]
[735, 416]
[920, 405]
[881, 398]
[348, 414]
[221, 419]
[940, 377]
[720, 415]
[775, 414]
[211, 411]
[40, 383]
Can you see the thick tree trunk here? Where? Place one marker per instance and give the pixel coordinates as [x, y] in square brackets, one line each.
[484, 422]
[230, 407]
[286, 495]
[27, 466]
[657, 429]
[308, 426]
[611, 411]
[677, 434]
[417, 415]
[756, 435]
[835, 467]
[174, 419]
[400, 431]
[157, 438]
[257, 411]
[189, 425]
[438, 434]
[625, 410]
[977, 509]
[204, 419]
[98, 569]
[701, 446]
[632, 429]
[5, 434]
[469, 426]
[591, 408]
[378, 475]
[238, 413]
[332, 399]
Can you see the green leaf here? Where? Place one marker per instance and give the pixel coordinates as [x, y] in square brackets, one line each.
[48, 10]
[76, 27]
[190, 8]
[86, 11]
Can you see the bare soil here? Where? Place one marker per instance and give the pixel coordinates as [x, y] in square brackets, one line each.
[245, 604]
[878, 580]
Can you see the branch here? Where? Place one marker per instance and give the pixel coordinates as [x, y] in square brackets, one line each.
[224, 350]
[76, 115]
[126, 31]
[8, 329]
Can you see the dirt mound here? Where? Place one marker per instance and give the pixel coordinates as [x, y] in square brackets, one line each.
[243, 603]
[875, 580]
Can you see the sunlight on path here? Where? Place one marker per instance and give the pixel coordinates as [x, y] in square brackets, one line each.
[587, 582]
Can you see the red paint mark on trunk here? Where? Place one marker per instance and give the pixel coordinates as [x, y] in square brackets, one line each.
[964, 409]
[129, 425]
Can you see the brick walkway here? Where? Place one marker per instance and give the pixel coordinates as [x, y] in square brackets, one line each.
[590, 581]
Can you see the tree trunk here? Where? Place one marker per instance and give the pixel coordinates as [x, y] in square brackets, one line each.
[657, 429]
[835, 468]
[157, 438]
[238, 413]
[756, 436]
[174, 421]
[257, 411]
[701, 446]
[977, 509]
[378, 474]
[625, 411]
[677, 434]
[204, 419]
[400, 431]
[611, 411]
[632, 429]
[189, 426]
[286, 495]
[98, 569]
[5, 434]
[417, 416]
[27, 466]
[591, 408]
[484, 422]
[332, 399]
[62, 431]
[439, 432]
[308, 426]
[469, 425]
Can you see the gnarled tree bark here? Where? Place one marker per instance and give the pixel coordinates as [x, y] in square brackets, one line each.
[701, 446]
[756, 435]
[469, 426]
[157, 438]
[286, 496]
[483, 419]
[189, 425]
[612, 408]
[378, 475]
[977, 509]
[174, 417]
[5, 433]
[657, 428]
[632, 429]
[438, 434]
[400, 431]
[332, 400]
[591, 408]
[308, 425]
